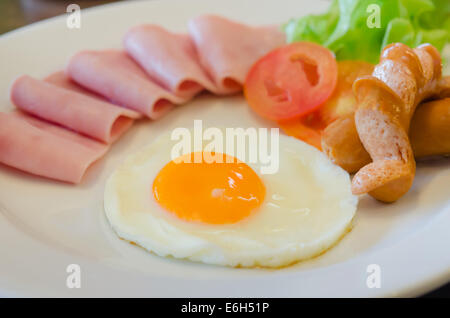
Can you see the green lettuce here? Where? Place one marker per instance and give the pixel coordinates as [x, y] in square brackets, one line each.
[352, 30]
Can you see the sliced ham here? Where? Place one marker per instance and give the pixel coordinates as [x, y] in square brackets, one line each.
[228, 49]
[60, 79]
[69, 108]
[102, 92]
[114, 75]
[169, 58]
[44, 149]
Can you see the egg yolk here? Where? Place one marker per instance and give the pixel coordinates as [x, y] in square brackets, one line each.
[220, 192]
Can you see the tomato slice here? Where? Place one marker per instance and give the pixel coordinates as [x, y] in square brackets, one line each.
[291, 81]
[341, 103]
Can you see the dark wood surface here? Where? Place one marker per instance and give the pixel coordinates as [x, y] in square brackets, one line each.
[17, 13]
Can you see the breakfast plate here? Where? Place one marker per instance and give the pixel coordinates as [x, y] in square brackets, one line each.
[46, 226]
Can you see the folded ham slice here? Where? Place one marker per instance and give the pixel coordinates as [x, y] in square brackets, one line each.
[228, 49]
[44, 149]
[114, 75]
[169, 58]
[69, 108]
[60, 79]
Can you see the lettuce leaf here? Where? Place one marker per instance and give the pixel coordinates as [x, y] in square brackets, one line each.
[352, 30]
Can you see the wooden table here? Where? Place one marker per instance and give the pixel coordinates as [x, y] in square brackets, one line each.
[17, 13]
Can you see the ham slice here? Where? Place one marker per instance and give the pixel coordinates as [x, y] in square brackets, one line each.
[227, 49]
[44, 149]
[71, 109]
[60, 79]
[114, 75]
[169, 58]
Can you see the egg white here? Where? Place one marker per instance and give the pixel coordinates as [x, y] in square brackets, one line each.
[308, 207]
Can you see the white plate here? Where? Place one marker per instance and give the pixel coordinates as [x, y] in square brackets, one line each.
[46, 225]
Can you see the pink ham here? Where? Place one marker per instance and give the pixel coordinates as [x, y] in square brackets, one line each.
[168, 58]
[60, 79]
[102, 92]
[228, 49]
[71, 109]
[114, 75]
[43, 149]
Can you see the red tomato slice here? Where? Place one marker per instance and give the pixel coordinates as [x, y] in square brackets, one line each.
[341, 103]
[291, 81]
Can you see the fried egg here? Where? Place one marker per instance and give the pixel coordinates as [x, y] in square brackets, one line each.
[229, 213]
